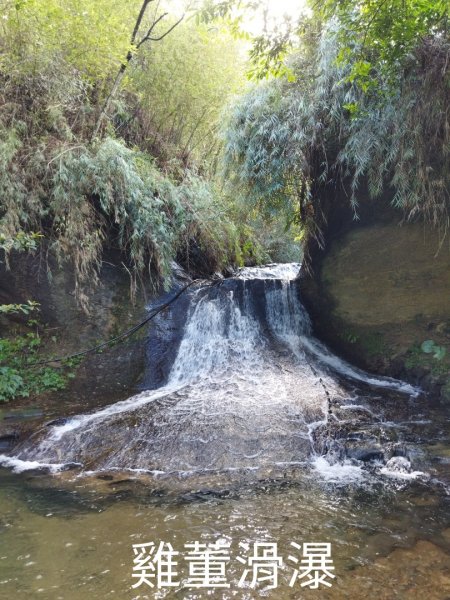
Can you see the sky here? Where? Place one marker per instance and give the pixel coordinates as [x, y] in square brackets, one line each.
[276, 11]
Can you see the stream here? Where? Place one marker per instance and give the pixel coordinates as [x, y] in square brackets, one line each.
[253, 436]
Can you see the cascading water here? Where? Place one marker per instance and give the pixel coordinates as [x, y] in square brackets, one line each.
[250, 390]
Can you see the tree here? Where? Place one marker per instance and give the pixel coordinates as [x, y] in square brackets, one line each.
[388, 127]
[382, 32]
[135, 45]
[183, 84]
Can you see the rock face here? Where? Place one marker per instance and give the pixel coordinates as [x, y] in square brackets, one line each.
[379, 289]
[101, 378]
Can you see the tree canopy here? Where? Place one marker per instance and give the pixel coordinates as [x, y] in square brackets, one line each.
[366, 101]
[123, 125]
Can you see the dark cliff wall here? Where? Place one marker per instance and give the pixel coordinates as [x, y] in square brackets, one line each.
[106, 376]
[379, 288]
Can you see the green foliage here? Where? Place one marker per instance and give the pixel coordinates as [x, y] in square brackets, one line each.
[269, 52]
[26, 309]
[382, 34]
[351, 337]
[11, 384]
[109, 189]
[154, 216]
[262, 155]
[414, 357]
[141, 189]
[373, 34]
[286, 139]
[429, 347]
[274, 242]
[18, 378]
[184, 81]
[435, 360]
[375, 344]
[90, 36]
[66, 54]
[21, 242]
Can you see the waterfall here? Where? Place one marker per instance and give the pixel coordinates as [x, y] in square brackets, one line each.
[247, 391]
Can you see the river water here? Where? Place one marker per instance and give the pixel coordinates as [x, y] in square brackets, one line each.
[259, 440]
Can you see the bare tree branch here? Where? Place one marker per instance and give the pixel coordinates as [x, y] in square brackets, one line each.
[154, 24]
[161, 37]
[130, 54]
[139, 20]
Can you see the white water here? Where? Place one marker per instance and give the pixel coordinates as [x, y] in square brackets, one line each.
[245, 392]
[19, 466]
[280, 271]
